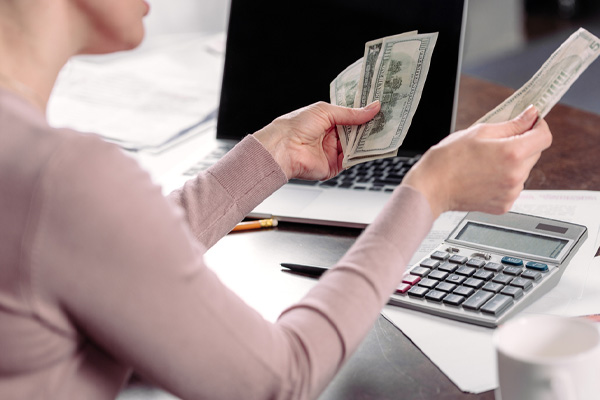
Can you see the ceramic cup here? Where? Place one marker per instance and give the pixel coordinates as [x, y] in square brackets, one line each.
[545, 357]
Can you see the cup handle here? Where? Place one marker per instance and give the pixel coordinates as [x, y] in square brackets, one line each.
[562, 386]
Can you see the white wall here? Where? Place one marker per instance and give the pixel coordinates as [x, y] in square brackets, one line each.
[180, 16]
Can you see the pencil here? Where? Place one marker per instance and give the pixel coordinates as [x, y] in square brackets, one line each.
[258, 224]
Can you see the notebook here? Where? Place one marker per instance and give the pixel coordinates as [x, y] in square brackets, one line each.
[280, 57]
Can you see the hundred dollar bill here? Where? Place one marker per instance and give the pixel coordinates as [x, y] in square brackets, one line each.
[397, 79]
[552, 80]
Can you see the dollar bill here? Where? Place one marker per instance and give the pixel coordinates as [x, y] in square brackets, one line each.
[393, 70]
[547, 86]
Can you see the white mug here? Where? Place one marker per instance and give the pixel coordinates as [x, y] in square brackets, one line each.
[545, 357]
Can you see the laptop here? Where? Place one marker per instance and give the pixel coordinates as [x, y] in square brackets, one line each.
[282, 56]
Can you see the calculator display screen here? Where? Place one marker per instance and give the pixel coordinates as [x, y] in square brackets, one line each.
[522, 242]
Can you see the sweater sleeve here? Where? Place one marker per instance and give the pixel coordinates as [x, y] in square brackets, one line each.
[113, 259]
[220, 197]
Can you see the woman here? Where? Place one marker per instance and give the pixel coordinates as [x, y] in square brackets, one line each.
[101, 275]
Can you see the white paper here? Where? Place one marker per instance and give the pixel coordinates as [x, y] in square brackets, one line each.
[143, 98]
[465, 352]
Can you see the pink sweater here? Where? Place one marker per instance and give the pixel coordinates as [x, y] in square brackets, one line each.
[101, 275]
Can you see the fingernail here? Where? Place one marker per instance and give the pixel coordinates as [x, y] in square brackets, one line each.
[372, 105]
[530, 111]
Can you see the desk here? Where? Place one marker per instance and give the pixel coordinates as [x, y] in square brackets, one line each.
[388, 365]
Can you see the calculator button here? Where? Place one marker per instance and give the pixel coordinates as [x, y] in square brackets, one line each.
[474, 283]
[464, 291]
[522, 283]
[493, 287]
[513, 270]
[515, 292]
[466, 271]
[476, 262]
[497, 304]
[417, 291]
[440, 255]
[448, 267]
[403, 288]
[454, 299]
[438, 275]
[477, 300]
[428, 283]
[411, 279]
[458, 259]
[537, 266]
[492, 266]
[445, 287]
[529, 274]
[429, 263]
[420, 271]
[456, 279]
[483, 274]
[435, 295]
[503, 279]
[512, 261]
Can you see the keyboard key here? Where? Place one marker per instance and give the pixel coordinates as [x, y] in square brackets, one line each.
[428, 283]
[438, 275]
[512, 261]
[529, 274]
[429, 263]
[440, 255]
[464, 291]
[515, 292]
[474, 283]
[483, 274]
[537, 266]
[458, 259]
[477, 300]
[494, 267]
[448, 267]
[445, 287]
[493, 287]
[435, 295]
[466, 271]
[420, 271]
[522, 283]
[403, 288]
[497, 304]
[476, 262]
[411, 279]
[513, 271]
[417, 291]
[454, 299]
[456, 279]
[503, 279]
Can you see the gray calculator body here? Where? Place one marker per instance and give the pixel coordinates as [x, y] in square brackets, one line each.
[491, 267]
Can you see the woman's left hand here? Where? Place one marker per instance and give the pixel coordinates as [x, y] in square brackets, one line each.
[305, 142]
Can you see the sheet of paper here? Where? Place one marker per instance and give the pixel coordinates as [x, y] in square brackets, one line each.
[465, 352]
[143, 98]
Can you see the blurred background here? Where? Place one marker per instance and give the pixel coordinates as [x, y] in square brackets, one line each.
[506, 41]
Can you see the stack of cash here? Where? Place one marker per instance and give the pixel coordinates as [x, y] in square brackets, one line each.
[393, 70]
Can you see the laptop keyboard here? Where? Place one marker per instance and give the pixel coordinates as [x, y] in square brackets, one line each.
[377, 175]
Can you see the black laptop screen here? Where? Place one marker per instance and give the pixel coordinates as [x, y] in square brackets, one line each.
[281, 56]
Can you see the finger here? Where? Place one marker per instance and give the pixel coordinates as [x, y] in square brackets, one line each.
[535, 140]
[516, 126]
[352, 116]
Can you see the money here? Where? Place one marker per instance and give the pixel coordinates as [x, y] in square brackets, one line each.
[393, 70]
[552, 80]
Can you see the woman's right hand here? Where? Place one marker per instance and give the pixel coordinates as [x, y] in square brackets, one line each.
[482, 168]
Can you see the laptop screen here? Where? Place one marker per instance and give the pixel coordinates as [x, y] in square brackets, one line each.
[281, 56]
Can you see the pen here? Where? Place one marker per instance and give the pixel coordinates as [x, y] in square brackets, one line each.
[258, 224]
[305, 269]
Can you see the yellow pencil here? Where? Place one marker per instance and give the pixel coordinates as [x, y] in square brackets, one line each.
[258, 224]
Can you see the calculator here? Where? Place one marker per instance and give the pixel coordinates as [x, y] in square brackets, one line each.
[490, 267]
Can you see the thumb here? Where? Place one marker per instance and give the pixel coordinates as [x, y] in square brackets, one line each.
[518, 125]
[354, 116]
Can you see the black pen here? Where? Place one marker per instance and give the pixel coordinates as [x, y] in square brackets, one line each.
[305, 269]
